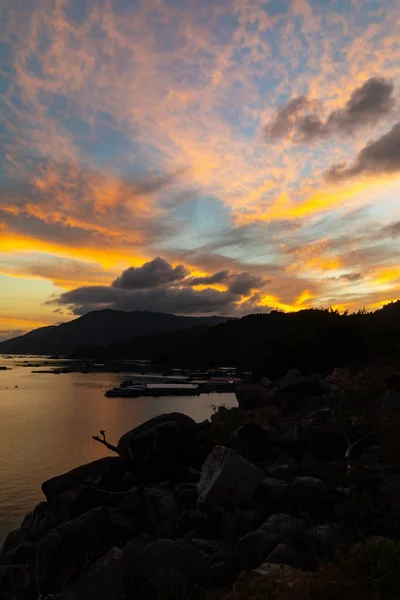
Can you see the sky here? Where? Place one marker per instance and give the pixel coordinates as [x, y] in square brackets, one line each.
[197, 157]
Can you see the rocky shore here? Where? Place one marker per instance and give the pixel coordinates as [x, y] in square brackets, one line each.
[295, 494]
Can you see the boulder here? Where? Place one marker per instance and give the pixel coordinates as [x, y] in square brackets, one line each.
[106, 473]
[391, 402]
[228, 479]
[163, 448]
[324, 540]
[307, 491]
[253, 548]
[273, 491]
[252, 442]
[17, 583]
[161, 511]
[105, 580]
[168, 568]
[63, 551]
[285, 527]
[86, 487]
[282, 555]
[301, 388]
[236, 523]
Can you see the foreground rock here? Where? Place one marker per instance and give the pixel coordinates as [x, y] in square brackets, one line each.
[228, 479]
[263, 490]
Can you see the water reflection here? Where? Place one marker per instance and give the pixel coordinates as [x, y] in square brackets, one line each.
[48, 420]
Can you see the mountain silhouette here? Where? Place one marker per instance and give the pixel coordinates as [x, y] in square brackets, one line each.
[99, 328]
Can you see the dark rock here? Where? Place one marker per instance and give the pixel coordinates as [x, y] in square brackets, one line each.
[168, 568]
[127, 524]
[161, 511]
[209, 546]
[235, 524]
[283, 555]
[137, 543]
[251, 396]
[324, 540]
[223, 573]
[106, 473]
[17, 582]
[104, 581]
[163, 447]
[63, 551]
[193, 475]
[84, 488]
[285, 527]
[131, 501]
[307, 492]
[391, 402]
[14, 539]
[228, 479]
[186, 494]
[277, 470]
[252, 442]
[273, 492]
[253, 548]
[301, 388]
[324, 437]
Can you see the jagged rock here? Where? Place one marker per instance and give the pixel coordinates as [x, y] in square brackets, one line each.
[168, 568]
[161, 511]
[266, 568]
[282, 555]
[104, 581]
[137, 543]
[253, 548]
[252, 442]
[63, 551]
[285, 527]
[163, 448]
[132, 500]
[228, 479]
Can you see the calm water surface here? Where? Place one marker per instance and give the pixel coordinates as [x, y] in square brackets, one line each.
[47, 423]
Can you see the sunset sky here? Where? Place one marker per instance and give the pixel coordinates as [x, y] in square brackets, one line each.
[197, 156]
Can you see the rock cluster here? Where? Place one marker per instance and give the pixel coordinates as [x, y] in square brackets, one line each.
[186, 506]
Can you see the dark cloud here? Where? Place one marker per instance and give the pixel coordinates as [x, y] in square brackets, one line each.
[171, 300]
[352, 277]
[241, 284]
[381, 156]
[391, 230]
[367, 105]
[218, 277]
[286, 116]
[152, 274]
[158, 286]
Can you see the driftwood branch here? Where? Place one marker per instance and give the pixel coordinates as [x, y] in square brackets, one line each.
[103, 441]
